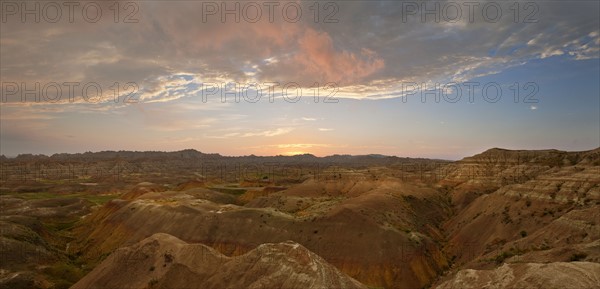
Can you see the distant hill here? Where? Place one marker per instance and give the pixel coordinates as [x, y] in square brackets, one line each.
[191, 154]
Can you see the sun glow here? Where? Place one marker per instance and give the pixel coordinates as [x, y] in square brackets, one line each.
[294, 153]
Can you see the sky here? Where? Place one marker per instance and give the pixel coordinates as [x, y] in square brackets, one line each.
[436, 79]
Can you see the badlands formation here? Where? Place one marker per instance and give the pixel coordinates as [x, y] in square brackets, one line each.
[499, 219]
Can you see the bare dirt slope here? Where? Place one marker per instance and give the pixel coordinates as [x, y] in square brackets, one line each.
[383, 233]
[517, 207]
[32, 240]
[558, 275]
[163, 261]
[387, 222]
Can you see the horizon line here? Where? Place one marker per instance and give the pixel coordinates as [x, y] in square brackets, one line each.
[283, 155]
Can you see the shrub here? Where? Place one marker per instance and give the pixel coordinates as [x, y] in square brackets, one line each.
[62, 284]
[577, 257]
[64, 271]
[152, 282]
[504, 255]
[168, 258]
[523, 234]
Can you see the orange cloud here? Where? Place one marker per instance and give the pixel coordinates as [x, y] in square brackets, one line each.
[318, 56]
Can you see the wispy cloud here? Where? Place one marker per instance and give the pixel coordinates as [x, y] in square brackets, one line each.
[269, 133]
[247, 133]
[183, 68]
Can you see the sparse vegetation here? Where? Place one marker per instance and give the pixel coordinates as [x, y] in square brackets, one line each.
[230, 190]
[98, 199]
[152, 283]
[502, 256]
[506, 215]
[508, 254]
[548, 212]
[417, 214]
[63, 274]
[544, 246]
[168, 258]
[578, 257]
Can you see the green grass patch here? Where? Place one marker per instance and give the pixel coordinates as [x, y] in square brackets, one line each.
[97, 199]
[38, 195]
[507, 254]
[63, 274]
[231, 191]
[58, 181]
[57, 226]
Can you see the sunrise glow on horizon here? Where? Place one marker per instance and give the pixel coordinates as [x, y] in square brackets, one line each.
[358, 77]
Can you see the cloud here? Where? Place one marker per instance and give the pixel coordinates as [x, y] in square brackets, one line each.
[300, 146]
[318, 57]
[269, 133]
[177, 124]
[238, 132]
[296, 146]
[366, 53]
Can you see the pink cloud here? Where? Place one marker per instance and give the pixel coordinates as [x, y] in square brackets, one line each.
[319, 58]
[305, 54]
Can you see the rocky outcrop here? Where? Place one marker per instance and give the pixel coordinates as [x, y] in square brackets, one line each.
[163, 261]
[559, 275]
[522, 204]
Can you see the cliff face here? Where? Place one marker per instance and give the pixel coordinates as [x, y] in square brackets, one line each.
[163, 261]
[521, 202]
[497, 168]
